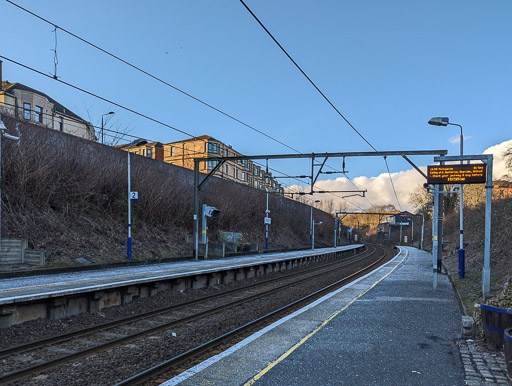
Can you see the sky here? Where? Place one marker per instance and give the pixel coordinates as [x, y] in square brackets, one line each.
[388, 67]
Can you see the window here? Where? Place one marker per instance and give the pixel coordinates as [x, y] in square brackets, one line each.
[61, 124]
[256, 184]
[243, 162]
[212, 164]
[211, 147]
[249, 166]
[150, 153]
[227, 170]
[243, 176]
[39, 114]
[256, 171]
[26, 110]
[173, 151]
[236, 173]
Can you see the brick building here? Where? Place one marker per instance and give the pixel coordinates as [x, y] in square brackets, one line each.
[182, 153]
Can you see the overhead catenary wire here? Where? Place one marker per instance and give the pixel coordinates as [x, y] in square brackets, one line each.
[102, 157]
[52, 144]
[81, 122]
[155, 77]
[159, 80]
[318, 90]
[105, 99]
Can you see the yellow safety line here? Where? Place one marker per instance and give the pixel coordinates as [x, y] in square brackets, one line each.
[324, 323]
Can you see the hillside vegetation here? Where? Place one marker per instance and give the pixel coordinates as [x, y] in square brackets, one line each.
[501, 250]
[69, 196]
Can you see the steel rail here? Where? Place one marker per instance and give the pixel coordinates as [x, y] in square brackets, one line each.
[38, 368]
[163, 367]
[104, 326]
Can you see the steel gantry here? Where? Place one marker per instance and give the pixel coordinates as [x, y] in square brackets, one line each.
[313, 177]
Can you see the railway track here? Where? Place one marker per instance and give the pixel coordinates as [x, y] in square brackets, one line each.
[24, 362]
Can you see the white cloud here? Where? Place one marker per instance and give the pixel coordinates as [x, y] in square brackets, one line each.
[380, 191]
[498, 168]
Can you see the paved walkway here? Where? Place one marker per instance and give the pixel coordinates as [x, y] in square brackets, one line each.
[388, 328]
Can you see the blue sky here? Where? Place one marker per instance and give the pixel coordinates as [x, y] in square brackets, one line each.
[387, 66]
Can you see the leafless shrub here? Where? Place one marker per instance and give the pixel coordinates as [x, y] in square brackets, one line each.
[70, 196]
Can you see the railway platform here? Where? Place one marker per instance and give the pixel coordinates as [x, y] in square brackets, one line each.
[388, 327]
[54, 296]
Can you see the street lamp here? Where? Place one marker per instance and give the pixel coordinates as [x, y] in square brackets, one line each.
[313, 238]
[109, 113]
[311, 221]
[445, 121]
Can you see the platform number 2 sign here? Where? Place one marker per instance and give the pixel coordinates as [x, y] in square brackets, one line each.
[134, 196]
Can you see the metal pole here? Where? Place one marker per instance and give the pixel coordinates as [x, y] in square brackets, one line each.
[266, 224]
[1, 135]
[196, 210]
[412, 231]
[462, 269]
[313, 237]
[400, 241]
[102, 129]
[203, 224]
[486, 272]
[422, 228]
[440, 227]
[129, 241]
[311, 224]
[435, 234]
[335, 228]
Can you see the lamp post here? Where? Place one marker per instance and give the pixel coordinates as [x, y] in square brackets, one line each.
[445, 121]
[313, 238]
[109, 113]
[311, 221]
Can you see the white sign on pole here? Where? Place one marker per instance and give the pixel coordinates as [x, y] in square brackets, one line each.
[134, 196]
[268, 220]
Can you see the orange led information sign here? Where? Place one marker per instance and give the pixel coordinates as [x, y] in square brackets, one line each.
[457, 174]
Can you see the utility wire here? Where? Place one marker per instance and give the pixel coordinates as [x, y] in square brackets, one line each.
[396, 196]
[317, 89]
[305, 75]
[154, 77]
[99, 97]
[157, 78]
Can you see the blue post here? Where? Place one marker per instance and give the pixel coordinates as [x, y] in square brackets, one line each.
[129, 244]
[462, 269]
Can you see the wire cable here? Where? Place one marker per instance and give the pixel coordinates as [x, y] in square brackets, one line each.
[157, 78]
[154, 77]
[317, 88]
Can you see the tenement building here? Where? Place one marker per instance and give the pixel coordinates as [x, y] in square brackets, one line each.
[25, 103]
[182, 153]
